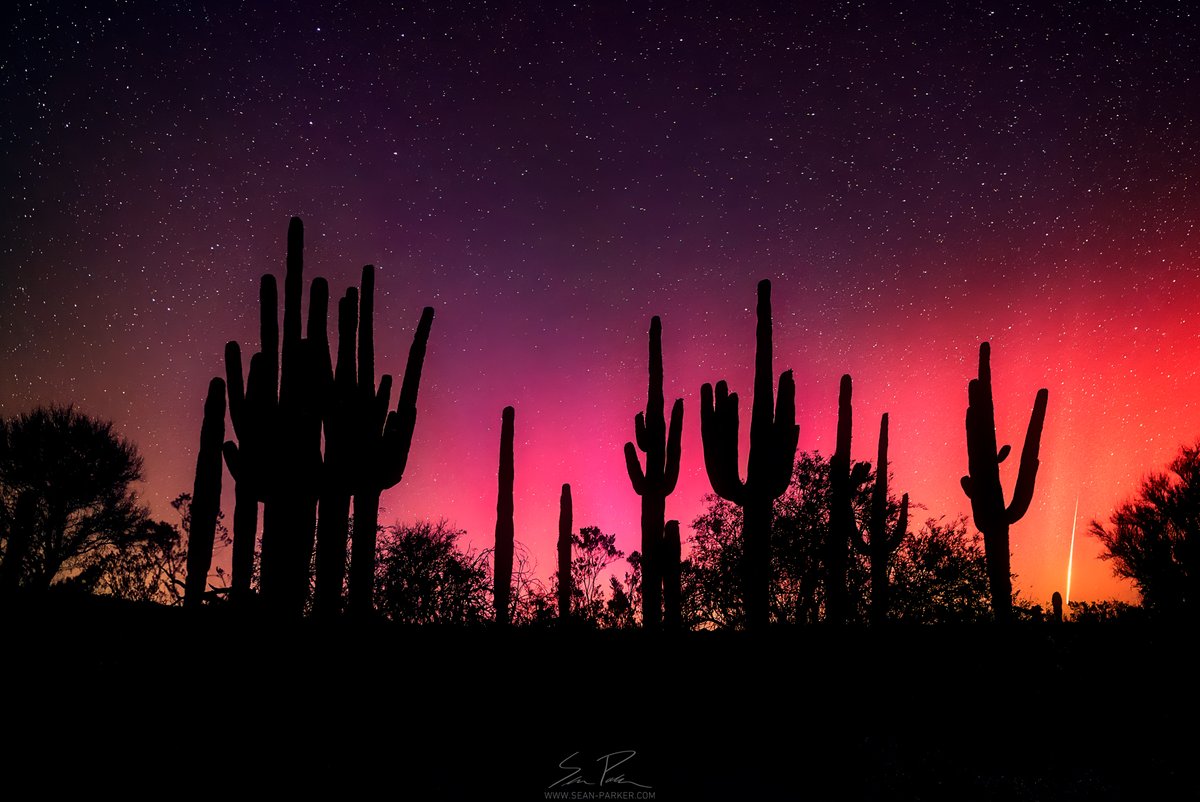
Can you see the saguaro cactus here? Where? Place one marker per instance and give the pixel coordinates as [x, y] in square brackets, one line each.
[565, 582]
[844, 480]
[658, 479]
[278, 415]
[982, 484]
[1056, 602]
[252, 410]
[504, 522]
[206, 495]
[382, 439]
[279, 450]
[672, 591]
[773, 437]
[879, 544]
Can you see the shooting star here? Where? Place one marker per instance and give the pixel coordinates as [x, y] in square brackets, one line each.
[1071, 556]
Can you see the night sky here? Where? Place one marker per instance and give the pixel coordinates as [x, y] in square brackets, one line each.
[550, 177]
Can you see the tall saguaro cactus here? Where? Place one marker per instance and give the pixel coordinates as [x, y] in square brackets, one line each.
[565, 525]
[982, 484]
[505, 530]
[879, 544]
[206, 495]
[658, 479]
[773, 438]
[382, 439]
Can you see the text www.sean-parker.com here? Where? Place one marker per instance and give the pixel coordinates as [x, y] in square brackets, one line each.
[599, 794]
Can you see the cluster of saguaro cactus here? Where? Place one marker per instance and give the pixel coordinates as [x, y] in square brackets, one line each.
[279, 413]
[565, 524]
[773, 438]
[658, 480]
[505, 531]
[982, 484]
[308, 434]
[879, 544]
[206, 495]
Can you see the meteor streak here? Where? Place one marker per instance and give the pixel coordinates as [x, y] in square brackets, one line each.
[1071, 556]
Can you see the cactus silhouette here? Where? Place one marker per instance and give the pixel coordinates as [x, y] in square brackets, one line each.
[982, 484]
[206, 495]
[844, 481]
[879, 544]
[382, 439]
[504, 522]
[290, 396]
[279, 449]
[658, 480]
[672, 591]
[252, 410]
[565, 583]
[773, 437]
[1056, 601]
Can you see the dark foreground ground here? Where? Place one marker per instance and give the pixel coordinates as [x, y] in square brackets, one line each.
[150, 702]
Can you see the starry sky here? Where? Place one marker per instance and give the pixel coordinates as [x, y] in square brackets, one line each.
[913, 180]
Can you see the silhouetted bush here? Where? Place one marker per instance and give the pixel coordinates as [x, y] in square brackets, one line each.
[424, 576]
[1154, 539]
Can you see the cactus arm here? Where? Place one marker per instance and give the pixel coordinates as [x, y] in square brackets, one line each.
[366, 336]
[671, 471]
[718, 430]
[416, 361]
[235, 386]
[786, 437]
[1027, 473]
[640, 434]
[634, 467]
[901, 530]
[400, 425]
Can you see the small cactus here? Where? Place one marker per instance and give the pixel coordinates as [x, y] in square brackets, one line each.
[879, 544]
[565, 583]
[505, 531]
[982, 484]
[773, 438]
